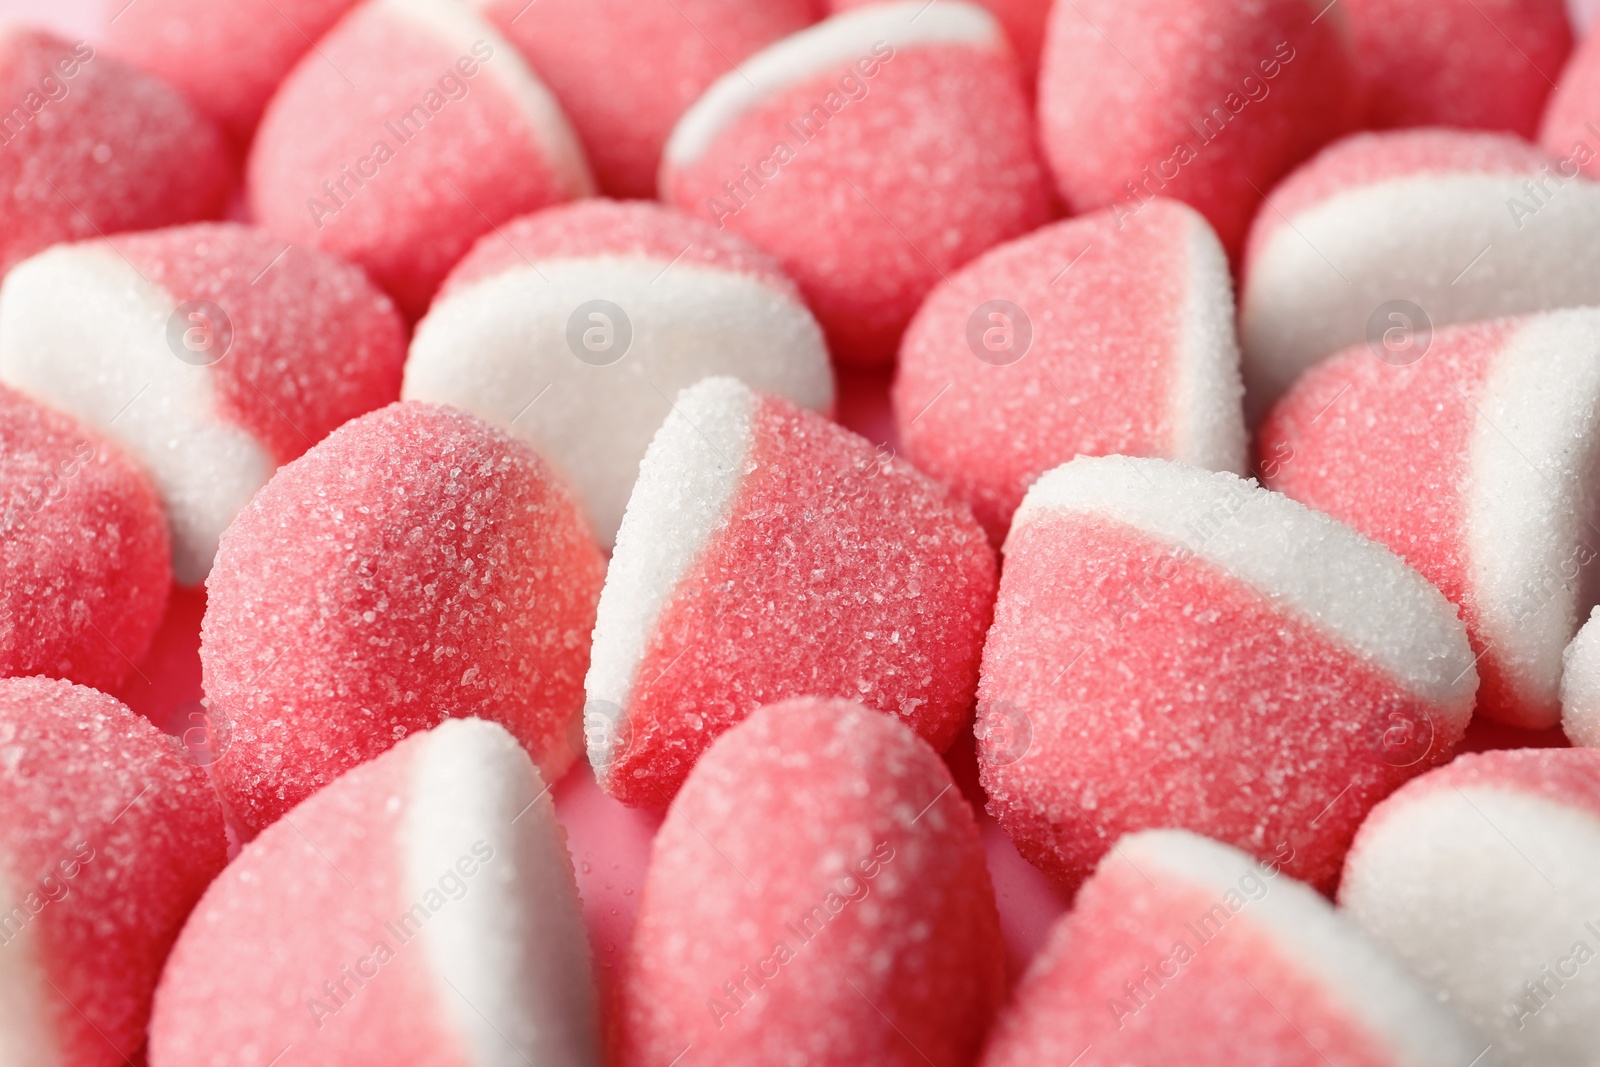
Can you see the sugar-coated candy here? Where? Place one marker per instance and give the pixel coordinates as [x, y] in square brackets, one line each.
[226, 57]
[817, 895]
[1384, 237]
[1487, 64]
[625, 70]
[409, 132]
[417, 565]
[872, 154]
[1571, 127]
[211, 352]
[90, 145]
[108, 836]
[1580, 685]
[1182, 950]
[1176, 647]
[1475, 463]
[1208, 102]
[1484, 878]
[1093, 336]
[419, 910]
[769, 553]
[1023, 21]
[84, 561]
[574, 327]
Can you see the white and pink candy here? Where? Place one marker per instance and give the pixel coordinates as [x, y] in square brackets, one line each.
[90, 145]
[1208, 101]
[85, 564]
[1475, 462]
[769, 553]
[1384, 237]
[871, 154]
[574, 327]
[1094, 336]
[420, 909]
[413, 129]
[864, 932]
[212, 353]
[1484, 878]
[1176, 647]
[1182, 950]
[108, 836]
[417, 565]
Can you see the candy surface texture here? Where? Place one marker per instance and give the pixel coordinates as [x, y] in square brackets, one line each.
[417, 565]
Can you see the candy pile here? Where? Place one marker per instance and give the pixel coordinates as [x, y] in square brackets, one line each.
[1064, 531]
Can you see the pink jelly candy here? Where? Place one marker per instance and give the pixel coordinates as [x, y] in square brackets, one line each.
[1383, 238]
[769, 553]
[1176, 647]
[872, 154]
[625, 70]
[817, 895]
[1094, 337]
[1486, 64]
[212, 352]
[413, 129]
[1571, 127]
[1182, 950]
[1023, 20]
[226, 57]
[1484, 878]
[1474, 461]
[574, 326]
[84, 559]
[90, 145]
[108, 836]
[419, 910]
[417, 565]
[1209, 102]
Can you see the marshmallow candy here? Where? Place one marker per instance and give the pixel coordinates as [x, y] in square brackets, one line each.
[84, 560]
[1487, 64]
[1174, 647]
[625, 70]
[1088, 337]
[227, 58]
[1477, 464]
[417, 565]
[1383, 237]
[421, 909]
[573, 327]
[1023, 21]
[1209, 102]
[768, 553]
[1182, 950]
[1484, 877]
[864, 932]
[108, 836]
[872, 154]
[212, 352]
[413, 129]
[1571, 127]
[1580, 685]
[90, 145]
